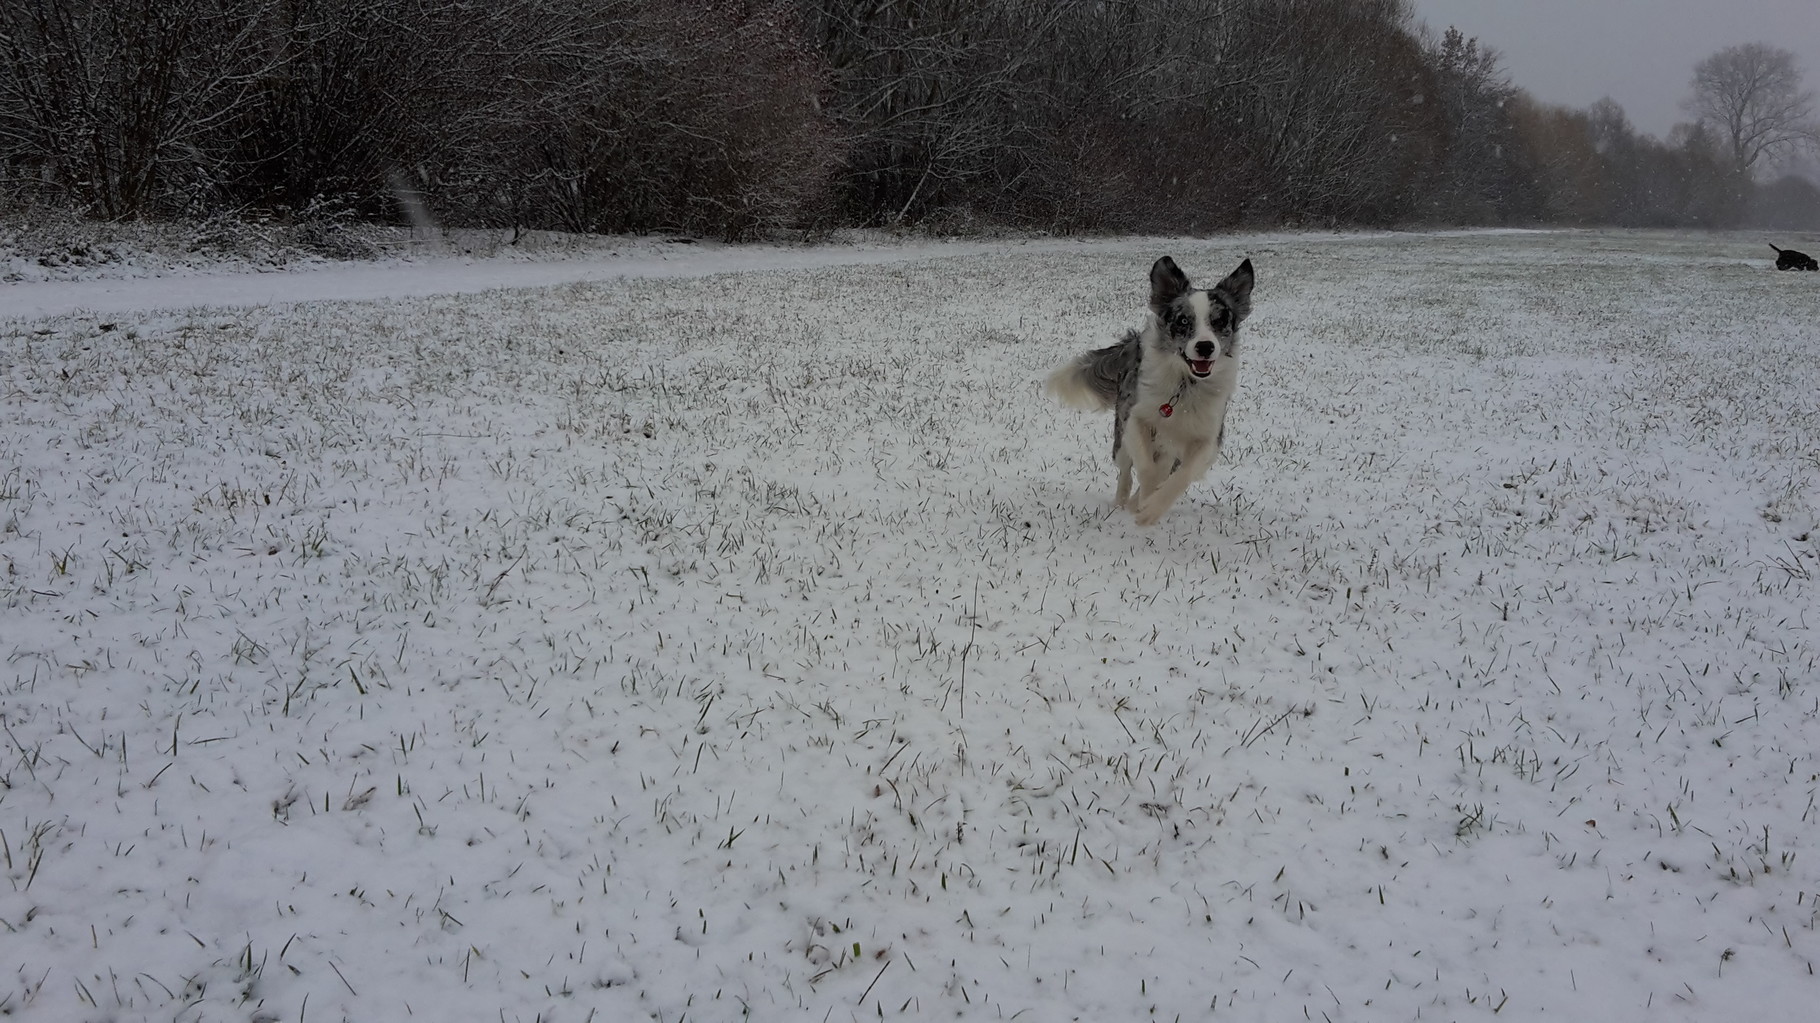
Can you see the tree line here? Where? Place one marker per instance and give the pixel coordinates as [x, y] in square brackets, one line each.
[737, 118]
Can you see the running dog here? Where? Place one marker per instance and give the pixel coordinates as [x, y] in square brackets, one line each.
[1168, 385]
[1789, 259]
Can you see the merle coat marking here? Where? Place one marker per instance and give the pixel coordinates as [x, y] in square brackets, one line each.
[1168, 385]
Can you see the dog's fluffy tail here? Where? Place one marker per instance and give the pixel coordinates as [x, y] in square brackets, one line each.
[1090, 380]
[1069, 384]
[1773, 246]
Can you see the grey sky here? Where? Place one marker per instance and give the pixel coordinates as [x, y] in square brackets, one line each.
[1639, 52]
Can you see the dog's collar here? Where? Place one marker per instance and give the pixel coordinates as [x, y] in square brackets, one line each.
[1167, 408]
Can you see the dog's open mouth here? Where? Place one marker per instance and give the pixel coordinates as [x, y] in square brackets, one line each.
[1200, 367]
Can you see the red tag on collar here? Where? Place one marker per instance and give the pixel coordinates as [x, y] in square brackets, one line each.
[1167, 409]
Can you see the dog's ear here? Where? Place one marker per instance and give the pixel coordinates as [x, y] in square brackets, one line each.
[1237, 289]
[1167, 283]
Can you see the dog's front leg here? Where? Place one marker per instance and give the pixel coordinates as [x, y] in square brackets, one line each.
[1123, 458]
[1154, 501]
[1140, 442]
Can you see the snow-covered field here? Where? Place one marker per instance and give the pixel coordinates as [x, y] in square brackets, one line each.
[762, 645]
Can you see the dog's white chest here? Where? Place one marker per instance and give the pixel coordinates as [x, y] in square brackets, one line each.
[1190, 411]
[1191, 419]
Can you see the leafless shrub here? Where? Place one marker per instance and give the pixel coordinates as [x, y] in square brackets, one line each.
[125, 104]
[739, 118]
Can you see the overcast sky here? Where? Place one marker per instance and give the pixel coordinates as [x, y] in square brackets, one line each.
[1639, 52]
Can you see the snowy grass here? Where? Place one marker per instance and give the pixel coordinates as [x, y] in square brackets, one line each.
[763, 645]
[44, 243]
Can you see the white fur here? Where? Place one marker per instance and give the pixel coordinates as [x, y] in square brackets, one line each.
[1068, 387]
[1191, 434]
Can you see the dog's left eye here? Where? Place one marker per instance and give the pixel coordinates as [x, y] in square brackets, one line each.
[1183, 325]
[1219, 320]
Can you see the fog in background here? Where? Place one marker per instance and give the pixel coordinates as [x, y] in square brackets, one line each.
[1640, 53]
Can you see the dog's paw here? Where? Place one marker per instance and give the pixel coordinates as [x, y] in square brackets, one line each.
[1146, 513]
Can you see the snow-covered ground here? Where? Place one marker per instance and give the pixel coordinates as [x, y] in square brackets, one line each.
[756, 641]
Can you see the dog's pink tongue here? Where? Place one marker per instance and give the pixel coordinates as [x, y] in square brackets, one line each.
[1202, 366]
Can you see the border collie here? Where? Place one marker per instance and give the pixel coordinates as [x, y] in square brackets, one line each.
[1168, 385]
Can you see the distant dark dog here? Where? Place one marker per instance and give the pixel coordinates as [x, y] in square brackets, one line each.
[1789, 259]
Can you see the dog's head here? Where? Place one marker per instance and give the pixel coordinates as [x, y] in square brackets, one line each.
[1200, 325]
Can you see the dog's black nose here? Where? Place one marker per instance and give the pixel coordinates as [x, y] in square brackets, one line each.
[1204, 349]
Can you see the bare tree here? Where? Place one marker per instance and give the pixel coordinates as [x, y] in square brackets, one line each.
[361, 95]
[1750, 96]
[1560, 147]
[741, 117]
[1135, 91]
[623, 115]
[943, 103]
[1329, 120]
[129, 106]
[1473, 99]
